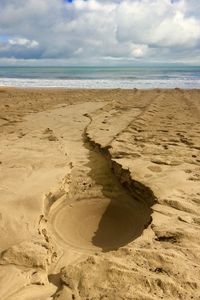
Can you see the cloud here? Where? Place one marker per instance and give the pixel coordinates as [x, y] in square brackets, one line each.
[139, 51]
[93, 31]
[19, 48]
[157, 23]
[23, 42]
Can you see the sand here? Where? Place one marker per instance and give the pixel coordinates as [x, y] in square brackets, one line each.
[100, 194]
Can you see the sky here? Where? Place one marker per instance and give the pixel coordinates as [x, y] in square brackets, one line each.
[99, 32]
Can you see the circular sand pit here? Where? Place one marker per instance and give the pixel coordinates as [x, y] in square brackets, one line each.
[99, 224]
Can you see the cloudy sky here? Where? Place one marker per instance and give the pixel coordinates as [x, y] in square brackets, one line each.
[99, 32]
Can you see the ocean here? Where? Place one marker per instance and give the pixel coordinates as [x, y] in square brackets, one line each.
[102, 77]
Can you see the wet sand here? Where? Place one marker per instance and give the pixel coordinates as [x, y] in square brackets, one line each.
[100, 194]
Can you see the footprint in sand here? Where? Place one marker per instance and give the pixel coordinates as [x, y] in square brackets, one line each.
[155, 169]
[49, 135]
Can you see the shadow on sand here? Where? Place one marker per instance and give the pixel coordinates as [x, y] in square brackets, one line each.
[124, 218]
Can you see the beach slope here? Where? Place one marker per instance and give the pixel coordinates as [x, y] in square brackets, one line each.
[100, 194]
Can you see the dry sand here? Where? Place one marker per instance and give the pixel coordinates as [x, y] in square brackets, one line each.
[100, 194]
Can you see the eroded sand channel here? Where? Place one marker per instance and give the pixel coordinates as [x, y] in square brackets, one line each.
[107, 218]
[98, 213]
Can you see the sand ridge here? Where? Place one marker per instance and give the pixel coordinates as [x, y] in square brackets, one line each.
[74, 163]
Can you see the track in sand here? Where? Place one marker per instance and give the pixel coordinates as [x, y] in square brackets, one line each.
[104, 222]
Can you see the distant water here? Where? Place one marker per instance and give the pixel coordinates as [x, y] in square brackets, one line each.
[101, 77]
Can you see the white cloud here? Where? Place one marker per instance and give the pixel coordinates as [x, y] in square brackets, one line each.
[93, 30]
[160, 23]
[23, 42]
[139, 51]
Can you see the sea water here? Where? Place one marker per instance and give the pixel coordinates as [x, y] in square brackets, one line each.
[102, 77]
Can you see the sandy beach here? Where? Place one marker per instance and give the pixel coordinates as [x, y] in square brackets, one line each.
[100, 194]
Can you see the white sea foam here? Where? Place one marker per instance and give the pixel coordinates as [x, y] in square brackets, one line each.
[101, 83]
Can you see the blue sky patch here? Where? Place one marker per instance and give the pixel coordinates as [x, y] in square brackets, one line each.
[3, 37]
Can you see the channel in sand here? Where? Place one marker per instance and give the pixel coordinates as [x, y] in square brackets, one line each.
[106, 222]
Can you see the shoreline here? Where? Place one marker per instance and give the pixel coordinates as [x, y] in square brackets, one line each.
[95, 89]
[100, 77]
[106, 89]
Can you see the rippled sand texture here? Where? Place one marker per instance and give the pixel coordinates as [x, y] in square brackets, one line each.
[100, 194]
